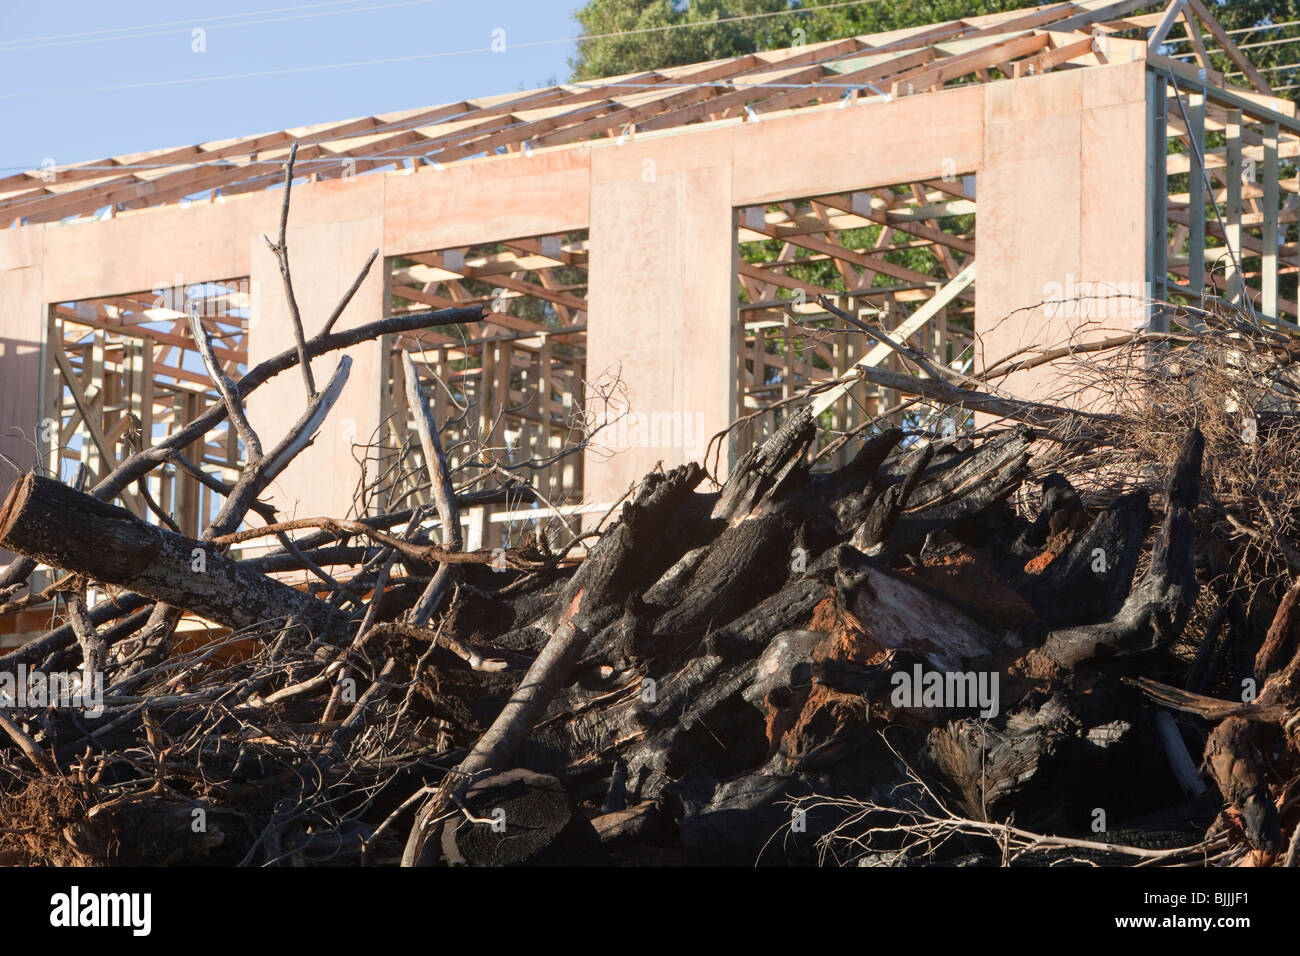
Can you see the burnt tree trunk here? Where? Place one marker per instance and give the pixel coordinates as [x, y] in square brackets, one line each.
[59, 526]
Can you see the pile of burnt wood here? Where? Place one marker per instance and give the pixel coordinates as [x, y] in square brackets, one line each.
[945, 651]
[918, 658]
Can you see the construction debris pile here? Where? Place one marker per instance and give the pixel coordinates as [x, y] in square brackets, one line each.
[1071, 636]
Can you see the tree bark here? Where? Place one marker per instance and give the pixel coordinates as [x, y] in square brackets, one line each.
[59, 526]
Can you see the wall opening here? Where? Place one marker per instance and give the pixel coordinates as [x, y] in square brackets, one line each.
[123, 372]
[507, 391]
[1227, 199]
[877, 254]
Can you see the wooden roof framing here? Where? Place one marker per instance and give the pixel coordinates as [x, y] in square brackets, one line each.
[523, 269]
[1015, 43]
[812, 231]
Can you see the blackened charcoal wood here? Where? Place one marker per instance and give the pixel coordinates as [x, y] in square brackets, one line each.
[790, 607]
[145, 835]
[748, 562]
[536, 826]
[696, 714]
[848, 677]
[690, 525]
[808, 727]
[964, 489]
[635, 827]
[739, 641]
[668, 589]
[528, 640]
[62, 527]
[960, 474]
[502, 607]
[343, 846]
[1152, 839]
[1042, 763]
[691, 531]
[584, 732]
[987, 766]
[860, 473]
[1238, 651]
[667, 731]
[1059, 499]
[947, 453]
[1072, 590]
[675, 692]
[1192, 816]
[787, 660]
[850, 491]
[888, 505]
[721, 734]
[633, 553]
[726, 688]
[1156, 609]
[748, 821]
[468, 700]
[1199, 677]
[769, 469]
[616, 796]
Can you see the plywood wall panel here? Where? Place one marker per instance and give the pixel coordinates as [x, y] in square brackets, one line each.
[324, 259]
[519, 195]
[661, 293]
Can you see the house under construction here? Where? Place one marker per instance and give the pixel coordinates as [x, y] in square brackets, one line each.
[651, 247]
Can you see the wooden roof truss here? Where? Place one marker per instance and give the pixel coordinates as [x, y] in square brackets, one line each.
[977, 49]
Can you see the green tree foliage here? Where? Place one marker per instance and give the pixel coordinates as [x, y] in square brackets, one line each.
[675, 32]
[704, 29]
[603, 55]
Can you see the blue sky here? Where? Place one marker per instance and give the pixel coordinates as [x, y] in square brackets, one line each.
[58, 66]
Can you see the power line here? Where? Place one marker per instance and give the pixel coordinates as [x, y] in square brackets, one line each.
[243, 23]
[420, 56]
[245, 76]
[1210, 51]
[172, 23]
[710, 23]
[1241, 30]
[242, 20]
